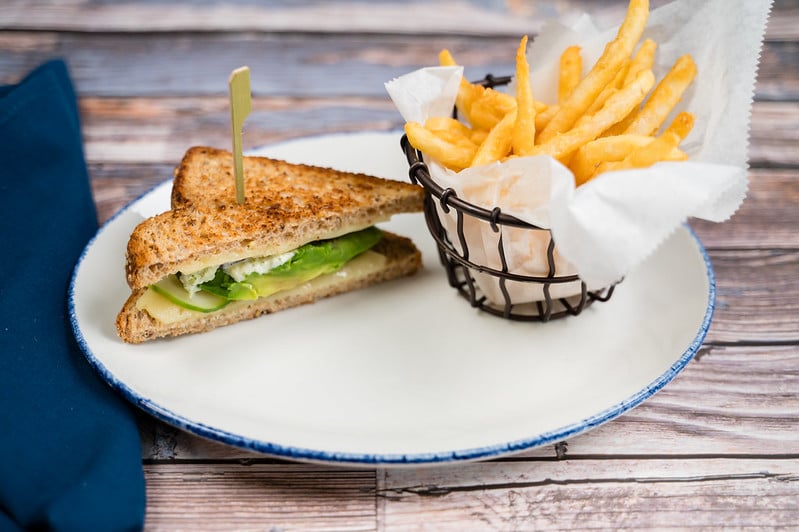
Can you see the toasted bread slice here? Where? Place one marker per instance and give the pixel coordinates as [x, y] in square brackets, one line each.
[205, 178]
[391, 258]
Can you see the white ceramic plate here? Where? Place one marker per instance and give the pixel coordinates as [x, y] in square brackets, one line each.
[405, 372]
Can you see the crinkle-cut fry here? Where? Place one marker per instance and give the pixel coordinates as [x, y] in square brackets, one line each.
[602, 72]
[498, 143]
[589, 156]
[589, 128]
[455, 156]
[570, 72]
[666, 95]
[644, 59]
[523, 136]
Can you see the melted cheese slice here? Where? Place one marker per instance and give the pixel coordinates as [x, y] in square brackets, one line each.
[167, 312]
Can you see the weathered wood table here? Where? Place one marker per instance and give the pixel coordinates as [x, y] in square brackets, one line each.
[718, 447]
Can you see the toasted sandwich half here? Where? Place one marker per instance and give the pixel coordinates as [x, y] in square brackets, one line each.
[209, 262]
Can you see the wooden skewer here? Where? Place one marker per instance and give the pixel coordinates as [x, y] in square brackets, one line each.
[240, 107]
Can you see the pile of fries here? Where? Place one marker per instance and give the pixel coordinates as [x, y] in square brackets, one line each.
[611, 119]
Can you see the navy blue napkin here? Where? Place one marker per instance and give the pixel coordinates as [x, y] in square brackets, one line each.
[70, 453]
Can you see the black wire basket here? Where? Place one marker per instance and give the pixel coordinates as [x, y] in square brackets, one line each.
[470, 277]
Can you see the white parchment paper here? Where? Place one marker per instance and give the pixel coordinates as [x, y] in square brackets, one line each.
[608, 226]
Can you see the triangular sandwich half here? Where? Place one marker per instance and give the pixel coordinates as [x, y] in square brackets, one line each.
[211, 262]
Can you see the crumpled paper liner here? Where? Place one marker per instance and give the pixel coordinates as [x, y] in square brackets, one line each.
[608, 226]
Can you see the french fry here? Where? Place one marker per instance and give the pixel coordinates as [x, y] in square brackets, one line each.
[523, 136]
[589, 128]
[666, 95]
[613, 87]
[468, 93]
[621, 126]
[589, 156]
[445, 58]
[490, 108]
[453, 155]
[681, 126]
[602, 72]
[498, 142]
[599, 123]
[571, 69]
[542, 118]
[456, 138]
[662, 148]
[447, 123]
[643, 59]
[452, 126]
[478, 136]
[484, 116]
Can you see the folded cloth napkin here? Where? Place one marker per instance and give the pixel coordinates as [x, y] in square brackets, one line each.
[70, 453]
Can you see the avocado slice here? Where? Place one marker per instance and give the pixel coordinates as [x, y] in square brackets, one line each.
[309, 261]
[202, 301]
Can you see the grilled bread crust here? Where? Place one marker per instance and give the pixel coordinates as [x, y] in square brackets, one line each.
[205, 178]
[402, 259]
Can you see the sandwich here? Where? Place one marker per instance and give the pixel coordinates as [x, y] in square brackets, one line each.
[304, 233]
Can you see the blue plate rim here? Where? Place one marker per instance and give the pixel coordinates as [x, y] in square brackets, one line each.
[376, 459]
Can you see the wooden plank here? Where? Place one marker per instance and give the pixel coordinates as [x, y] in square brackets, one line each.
[593, 494]
[480, 17]
[729, 401]
[774, 133]
[114, 186]
[767, 218]
[580, 494]
[757, 296]
[298, 65]
[258, 496]
[159, 130]
[282, 64]
[420, 18]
